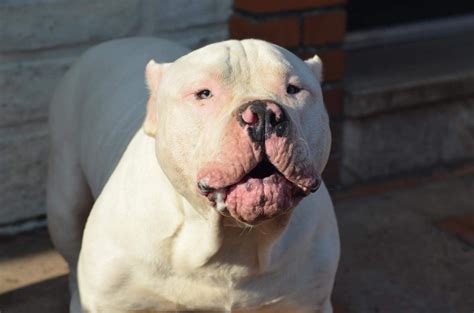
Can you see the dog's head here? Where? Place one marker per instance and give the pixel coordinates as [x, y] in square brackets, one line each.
[240, 127]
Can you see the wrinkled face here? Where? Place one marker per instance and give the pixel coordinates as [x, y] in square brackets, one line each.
[241, 128]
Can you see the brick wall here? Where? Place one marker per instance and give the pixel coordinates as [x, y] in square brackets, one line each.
[39, 39]
[305, 27]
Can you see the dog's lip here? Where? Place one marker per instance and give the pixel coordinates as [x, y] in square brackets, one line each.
[206, 190]
[254, 200]
[265, 173]
[256, 172]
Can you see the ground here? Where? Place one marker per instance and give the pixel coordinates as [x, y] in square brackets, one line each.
[399, 254]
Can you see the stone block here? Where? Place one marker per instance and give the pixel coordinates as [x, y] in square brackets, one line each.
[23, 166]
[28, 25]
[26, 89]
[365, 101]
[197, 37]
[408, 74]
[403, 141]
[159, 16]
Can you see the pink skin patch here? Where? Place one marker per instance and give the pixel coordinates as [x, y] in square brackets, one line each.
[253, 199]
[254, 183]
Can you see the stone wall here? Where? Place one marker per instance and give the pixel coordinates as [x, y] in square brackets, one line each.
[39, 39]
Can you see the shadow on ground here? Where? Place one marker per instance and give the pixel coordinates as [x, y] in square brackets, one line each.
[47, 296]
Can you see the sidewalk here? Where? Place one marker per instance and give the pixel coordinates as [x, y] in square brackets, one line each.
[395, 257]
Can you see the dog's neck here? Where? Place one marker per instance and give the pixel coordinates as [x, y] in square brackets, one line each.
[255, 243]
[214, 240]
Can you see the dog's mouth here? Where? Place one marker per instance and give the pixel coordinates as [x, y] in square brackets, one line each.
[263, 169]
[263, 193]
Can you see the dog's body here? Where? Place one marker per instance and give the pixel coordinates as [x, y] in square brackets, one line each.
[152, 241]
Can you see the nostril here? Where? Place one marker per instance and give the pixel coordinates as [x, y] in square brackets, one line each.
[275, 113]
[277, 121]
[273, 119]
[249, 117]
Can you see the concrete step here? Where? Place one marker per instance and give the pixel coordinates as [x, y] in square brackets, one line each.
[409, 107]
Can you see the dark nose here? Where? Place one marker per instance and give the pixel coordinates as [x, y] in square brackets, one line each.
[263, 118]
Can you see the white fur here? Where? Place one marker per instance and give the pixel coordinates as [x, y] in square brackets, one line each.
[151, 243]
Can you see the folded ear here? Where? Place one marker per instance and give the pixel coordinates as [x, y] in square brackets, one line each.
[316, 67]
[153, 74]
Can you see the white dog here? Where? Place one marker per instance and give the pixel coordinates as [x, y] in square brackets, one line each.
[216, 203]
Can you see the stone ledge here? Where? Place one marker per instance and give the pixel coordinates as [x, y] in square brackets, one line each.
[408, 108]
[390, 78]
[384, 145]
[375, 100]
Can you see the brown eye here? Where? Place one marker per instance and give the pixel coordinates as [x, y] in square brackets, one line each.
[292, 89]
[204, 94]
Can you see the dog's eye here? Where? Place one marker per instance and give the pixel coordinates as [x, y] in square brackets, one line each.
[204, 94]
[292, 89]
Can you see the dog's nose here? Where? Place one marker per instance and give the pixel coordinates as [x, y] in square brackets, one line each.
[263, 119]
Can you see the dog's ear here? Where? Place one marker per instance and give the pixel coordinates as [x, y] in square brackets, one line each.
[153, 74]
[316, 67]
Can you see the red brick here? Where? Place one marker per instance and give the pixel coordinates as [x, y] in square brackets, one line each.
[305, 55]
[333, 99]
[272, 6]
[459, 226]
[324, 28]
[333, 63]
[284, 32]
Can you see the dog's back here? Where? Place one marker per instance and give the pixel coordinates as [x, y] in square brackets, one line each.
[101, 103]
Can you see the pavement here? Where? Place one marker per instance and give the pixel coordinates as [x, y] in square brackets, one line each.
[407, 248]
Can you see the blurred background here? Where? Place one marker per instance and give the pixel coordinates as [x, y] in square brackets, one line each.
[398, 86]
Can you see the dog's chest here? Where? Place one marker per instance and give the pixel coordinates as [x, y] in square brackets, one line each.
[215, 290]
